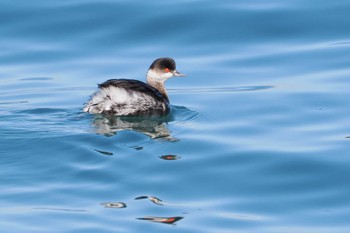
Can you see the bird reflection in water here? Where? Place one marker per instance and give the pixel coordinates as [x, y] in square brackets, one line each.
[155, 200]
[170, 157]
[117, 205]
[152, 127]
[166, 220]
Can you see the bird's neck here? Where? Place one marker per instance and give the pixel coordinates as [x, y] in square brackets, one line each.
[159, 85]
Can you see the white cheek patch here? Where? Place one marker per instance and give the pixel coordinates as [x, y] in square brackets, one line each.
[166, 76]
[160, 77]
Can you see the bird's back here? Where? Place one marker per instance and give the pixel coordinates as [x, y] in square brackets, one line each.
[127, 97]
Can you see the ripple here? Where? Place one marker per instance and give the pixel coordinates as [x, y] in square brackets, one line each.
[220, 89]
[104, 152]
[59, 209]
[341, 43]
[14, 102]
[44, 90]
[36, 79]
[44, 111]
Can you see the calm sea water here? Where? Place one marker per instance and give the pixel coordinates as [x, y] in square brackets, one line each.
[258, 139]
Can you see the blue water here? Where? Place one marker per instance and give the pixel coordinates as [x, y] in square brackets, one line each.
[258, 139]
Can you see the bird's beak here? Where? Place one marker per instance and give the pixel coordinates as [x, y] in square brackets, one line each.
[178, 74]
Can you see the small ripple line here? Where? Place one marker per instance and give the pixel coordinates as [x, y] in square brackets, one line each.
[221, 89]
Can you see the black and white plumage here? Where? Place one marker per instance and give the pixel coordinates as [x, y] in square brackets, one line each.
[127, 97]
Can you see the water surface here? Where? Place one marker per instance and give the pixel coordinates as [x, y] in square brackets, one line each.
[257, 141]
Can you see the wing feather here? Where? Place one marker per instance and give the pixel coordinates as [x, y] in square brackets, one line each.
[133, 85]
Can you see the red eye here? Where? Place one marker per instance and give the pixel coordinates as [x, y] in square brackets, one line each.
[167, 70]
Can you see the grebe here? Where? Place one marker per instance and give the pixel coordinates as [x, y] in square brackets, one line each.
[127, 97]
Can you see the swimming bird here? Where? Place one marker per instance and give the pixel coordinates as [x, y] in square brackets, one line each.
[128, 97]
